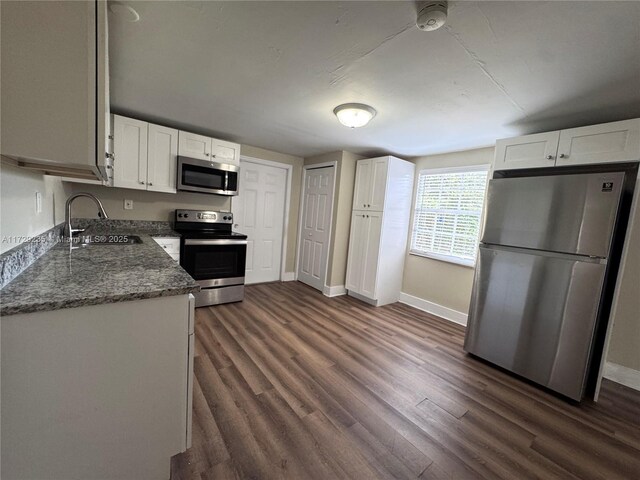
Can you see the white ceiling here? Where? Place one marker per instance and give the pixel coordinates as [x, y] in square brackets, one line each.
[270, 73]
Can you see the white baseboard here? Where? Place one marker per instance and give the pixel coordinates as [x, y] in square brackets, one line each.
[334, 291]
[623, 375]
[289, 276]
[434, 308]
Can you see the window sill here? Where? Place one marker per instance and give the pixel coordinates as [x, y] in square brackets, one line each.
[445, 258]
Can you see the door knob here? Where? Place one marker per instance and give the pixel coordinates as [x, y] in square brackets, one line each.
[549, 157]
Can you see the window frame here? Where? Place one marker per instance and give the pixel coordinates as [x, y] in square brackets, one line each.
[441, 171]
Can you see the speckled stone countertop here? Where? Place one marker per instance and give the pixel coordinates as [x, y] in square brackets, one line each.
[97, 274]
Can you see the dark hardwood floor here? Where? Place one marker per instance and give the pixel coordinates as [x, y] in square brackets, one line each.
[292, 384]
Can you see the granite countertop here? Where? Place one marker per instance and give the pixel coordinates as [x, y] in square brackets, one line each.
[97, 274]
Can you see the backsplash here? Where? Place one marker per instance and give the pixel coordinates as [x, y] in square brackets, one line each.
[15, 261]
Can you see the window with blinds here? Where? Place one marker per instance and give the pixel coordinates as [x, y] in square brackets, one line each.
[447, 216]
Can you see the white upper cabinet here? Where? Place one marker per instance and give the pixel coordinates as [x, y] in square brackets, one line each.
[603, 143]
[54, 92]
[607, 142]
[146, 155]
[225, 152]
[130, 153]
[378, 184]
[162, 161]
[363, 185]
[370, 187]
[529, 151]
[206, 148]
[194, 146]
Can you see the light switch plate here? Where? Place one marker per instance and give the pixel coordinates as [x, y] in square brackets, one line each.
[128, 204]
[38, 202]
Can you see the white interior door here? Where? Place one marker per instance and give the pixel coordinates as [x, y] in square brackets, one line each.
[258, 211]
[316, 225]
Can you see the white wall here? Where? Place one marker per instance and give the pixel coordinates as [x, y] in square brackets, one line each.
[18, 215]
[445, 284]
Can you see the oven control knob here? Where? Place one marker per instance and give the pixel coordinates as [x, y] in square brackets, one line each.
[186, 215]
[179, 215]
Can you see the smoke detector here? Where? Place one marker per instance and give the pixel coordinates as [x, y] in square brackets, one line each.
[432, 16]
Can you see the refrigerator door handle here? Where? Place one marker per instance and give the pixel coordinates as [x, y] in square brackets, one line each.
[544, 253]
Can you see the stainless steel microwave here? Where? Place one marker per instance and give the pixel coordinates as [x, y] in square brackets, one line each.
[204, 176]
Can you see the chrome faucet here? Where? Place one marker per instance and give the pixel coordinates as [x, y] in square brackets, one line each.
[68, 230]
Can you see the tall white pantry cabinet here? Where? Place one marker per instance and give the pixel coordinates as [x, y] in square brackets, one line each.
[379, 229]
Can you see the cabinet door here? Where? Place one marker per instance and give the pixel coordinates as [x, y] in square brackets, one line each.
[362, 187]
[130, 153]
[194, 146]
[162, 159]
[225, 152]
[529, 151]
[371, 248]
[377, 184]
[49, 89]
[608, 142]
[356, 251]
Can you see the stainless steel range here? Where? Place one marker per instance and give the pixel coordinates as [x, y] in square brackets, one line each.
[212, 254]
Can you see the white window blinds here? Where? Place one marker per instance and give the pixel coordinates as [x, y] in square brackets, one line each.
[447, 216]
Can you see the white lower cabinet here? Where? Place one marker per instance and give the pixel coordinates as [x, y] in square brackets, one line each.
[378, 239]
[366, 229]
[171, 245]
[101, 391]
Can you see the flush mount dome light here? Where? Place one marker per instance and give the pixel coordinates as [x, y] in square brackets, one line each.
[124, 11]
[354, 115]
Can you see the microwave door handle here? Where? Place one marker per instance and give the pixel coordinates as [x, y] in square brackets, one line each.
[214, 242]
[226, 180]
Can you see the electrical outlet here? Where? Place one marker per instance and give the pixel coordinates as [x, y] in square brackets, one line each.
[38, 202]
[128, 204]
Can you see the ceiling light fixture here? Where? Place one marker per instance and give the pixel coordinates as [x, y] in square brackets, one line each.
[354, 115]
[124, 11]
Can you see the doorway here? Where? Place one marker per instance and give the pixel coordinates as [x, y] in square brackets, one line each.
[315, 225]
[259, 211]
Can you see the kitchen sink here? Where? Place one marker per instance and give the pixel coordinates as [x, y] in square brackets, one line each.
[110, 239]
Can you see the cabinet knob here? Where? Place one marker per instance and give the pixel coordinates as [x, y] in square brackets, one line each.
[364, 204]
[141, 183]
[150, 183]
[368, 205]
[207, 154]
[562, 155]
[549, 157]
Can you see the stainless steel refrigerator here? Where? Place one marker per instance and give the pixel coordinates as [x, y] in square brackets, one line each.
[540, 275]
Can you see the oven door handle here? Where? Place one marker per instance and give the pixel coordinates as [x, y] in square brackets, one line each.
[214, 242]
